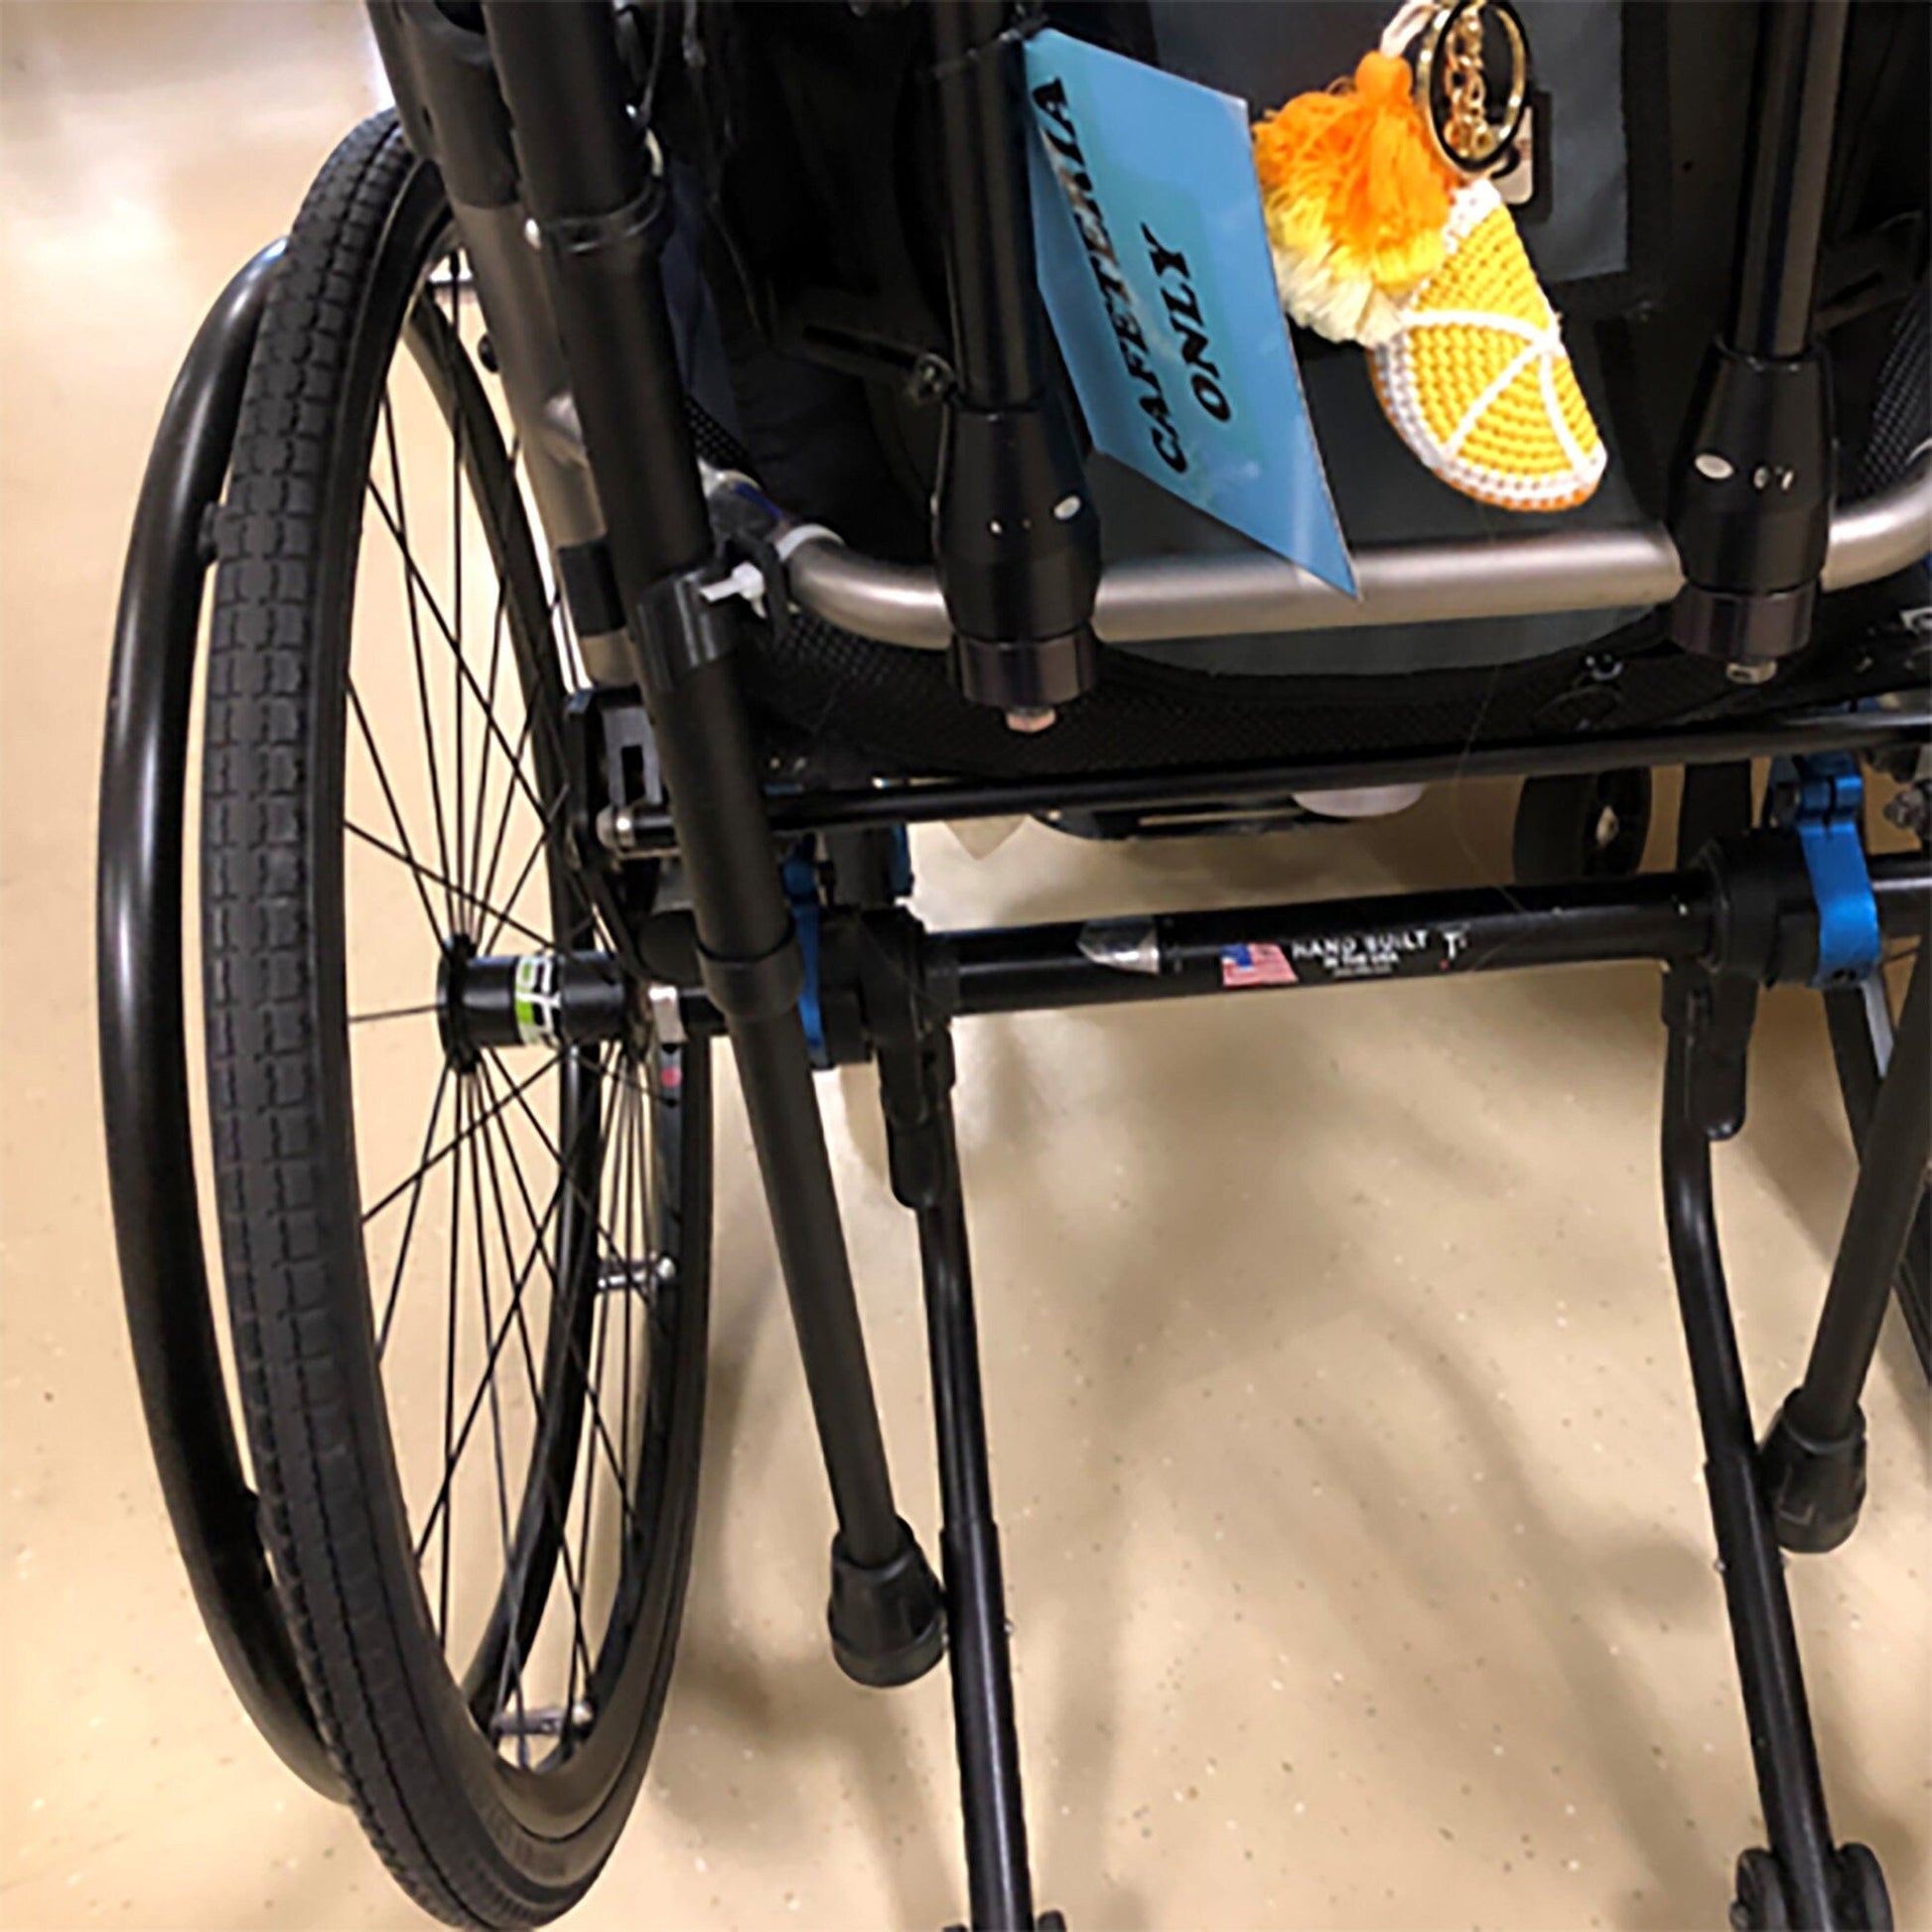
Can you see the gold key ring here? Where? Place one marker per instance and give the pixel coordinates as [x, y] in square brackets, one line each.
[1452, 87]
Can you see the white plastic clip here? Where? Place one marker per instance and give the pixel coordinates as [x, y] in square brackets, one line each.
[746, 580]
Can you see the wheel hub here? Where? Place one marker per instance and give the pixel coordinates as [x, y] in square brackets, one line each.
[537, 999]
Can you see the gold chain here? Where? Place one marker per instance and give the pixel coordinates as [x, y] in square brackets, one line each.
[1468, 120]
[1452, 87]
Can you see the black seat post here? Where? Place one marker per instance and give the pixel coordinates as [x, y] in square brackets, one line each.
[1752, 496]
[1015, 539]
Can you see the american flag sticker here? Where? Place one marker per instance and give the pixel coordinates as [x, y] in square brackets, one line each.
[1256, 965]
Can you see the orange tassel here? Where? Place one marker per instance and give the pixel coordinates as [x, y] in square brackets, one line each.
[1356, 199]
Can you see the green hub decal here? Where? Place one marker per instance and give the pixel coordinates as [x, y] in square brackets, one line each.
[534, 999]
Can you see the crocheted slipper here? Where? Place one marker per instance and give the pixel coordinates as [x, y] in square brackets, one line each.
[1475, 375]
[1378, 240]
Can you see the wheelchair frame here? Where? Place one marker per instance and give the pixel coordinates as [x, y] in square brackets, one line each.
[564, 227]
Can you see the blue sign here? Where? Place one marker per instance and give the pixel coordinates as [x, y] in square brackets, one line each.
[1154, 268]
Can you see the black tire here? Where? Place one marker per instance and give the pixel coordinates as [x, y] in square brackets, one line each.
[1581, 825]
[487, 1811]
[1860, 1021]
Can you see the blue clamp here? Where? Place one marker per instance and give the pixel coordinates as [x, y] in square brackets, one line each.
[801, 890]
[1829, 816]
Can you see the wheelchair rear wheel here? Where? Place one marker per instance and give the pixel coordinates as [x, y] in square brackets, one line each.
[466, 1244]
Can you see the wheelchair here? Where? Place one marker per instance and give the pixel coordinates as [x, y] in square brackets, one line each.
[640, 487]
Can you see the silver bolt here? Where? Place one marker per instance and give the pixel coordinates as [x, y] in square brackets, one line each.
[1608, 825]
[532, 233]
[1068, 508]
[1911, 809]
[1030, 721]
[541, 1721]
[665, 1269]
[1751, 670]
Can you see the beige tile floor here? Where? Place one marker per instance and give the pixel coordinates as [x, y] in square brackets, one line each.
[1360, 1568]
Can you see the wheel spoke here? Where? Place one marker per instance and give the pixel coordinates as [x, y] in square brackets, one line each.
[462, 671]
[633, 1216]
[537, 1253]
[455, 553]
[618, 1087]
[449, 1146]
[401, 857]
[398, 522]
[409, 1221]
[544, 831]
[446, 341]
[488, 884]
[449, 1372]
[438, 1504]
[513, 1654]
[390, 1013]
[407, 855]
[496, 628]
[556, 1507]
[592, 1382]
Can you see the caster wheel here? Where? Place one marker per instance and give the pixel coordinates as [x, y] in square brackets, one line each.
[1862, 1890]
[1761, 1904]
[1590, 825]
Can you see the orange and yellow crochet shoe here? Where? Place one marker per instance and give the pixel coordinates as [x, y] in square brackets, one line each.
[1378, 240]
[1475, 375]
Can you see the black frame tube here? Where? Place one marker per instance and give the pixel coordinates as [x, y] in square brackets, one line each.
[585, 182]
[1861, 1073]
[930, 802]
[999, 1882]
[1884, 1202]
[143, 1049]
[1673, 917]
[585, 179]
[1670, 916]
[1795, 100]
[1783, 1750]
[1410, 935]
[999, 355]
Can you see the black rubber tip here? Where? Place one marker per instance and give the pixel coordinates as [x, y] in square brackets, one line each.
[1863, 1896]
[1761, 1903]
[1815, 1487]
[889, 1620]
